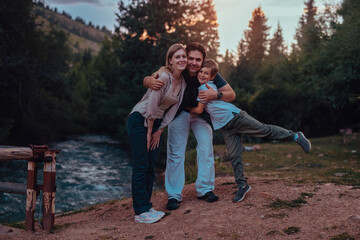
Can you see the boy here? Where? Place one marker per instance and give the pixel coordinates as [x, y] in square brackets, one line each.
[234, 122]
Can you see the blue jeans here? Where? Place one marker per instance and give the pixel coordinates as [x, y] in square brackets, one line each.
[178, 132]
[143, 162]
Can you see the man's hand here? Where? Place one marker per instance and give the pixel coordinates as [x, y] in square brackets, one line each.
[153, 82]
[208, 95]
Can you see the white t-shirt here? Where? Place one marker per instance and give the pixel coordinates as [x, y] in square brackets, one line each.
[220, 112]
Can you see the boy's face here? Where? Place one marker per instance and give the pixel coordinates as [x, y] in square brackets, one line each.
[204, 75]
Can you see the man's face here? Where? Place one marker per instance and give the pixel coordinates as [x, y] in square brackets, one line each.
[195, 60]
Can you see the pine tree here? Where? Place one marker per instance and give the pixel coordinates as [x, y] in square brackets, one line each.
[226, 66]
[308, 34]
[277, 46]
[256, 37]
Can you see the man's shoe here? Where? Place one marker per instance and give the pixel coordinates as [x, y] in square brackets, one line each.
[147, 217]
[240, 195]
[209, 197]
[172, 204]
[303, 142]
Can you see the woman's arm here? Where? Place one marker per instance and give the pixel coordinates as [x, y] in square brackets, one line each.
[199, 109]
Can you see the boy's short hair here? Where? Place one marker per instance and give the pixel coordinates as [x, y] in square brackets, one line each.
[214, 68]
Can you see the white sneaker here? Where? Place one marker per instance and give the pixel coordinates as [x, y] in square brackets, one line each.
[160, 213]
[147, 217]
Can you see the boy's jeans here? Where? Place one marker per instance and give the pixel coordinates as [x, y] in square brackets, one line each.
[243, 123]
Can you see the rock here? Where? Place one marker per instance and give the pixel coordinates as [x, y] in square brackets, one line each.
[339, 174]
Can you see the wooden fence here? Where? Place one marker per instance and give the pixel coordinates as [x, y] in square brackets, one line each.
[34, 154]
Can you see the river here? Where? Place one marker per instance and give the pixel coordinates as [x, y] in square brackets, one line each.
[90, 169]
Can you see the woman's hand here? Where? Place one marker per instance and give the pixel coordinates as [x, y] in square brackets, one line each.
[155, 139]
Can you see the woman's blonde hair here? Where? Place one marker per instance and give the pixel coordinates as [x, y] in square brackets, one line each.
[172, 49]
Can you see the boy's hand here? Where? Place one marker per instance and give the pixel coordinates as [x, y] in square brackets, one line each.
[154, 82]
[208, 95]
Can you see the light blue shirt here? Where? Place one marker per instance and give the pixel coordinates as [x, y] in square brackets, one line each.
[220, 112]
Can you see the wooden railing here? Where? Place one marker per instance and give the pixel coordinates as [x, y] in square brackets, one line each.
[34, 154]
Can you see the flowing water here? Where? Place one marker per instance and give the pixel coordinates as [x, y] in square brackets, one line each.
[90, 169]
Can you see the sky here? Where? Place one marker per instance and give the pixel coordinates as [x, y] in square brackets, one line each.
[233, 16]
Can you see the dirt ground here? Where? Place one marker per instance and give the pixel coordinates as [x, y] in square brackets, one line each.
[324, 211]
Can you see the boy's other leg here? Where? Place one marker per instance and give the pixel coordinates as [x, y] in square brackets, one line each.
[205, 182]
[178, 132]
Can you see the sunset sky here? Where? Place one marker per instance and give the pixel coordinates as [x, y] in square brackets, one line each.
[233, 16]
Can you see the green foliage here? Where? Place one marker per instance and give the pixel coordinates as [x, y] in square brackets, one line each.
[291, 230]
[33, 93]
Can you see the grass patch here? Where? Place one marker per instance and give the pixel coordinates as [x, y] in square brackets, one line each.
[329, 155]
[344, 176]
[276, 215]
[272, 233]
[283, 204]
[62, 226]
[77, 211]
[291, 230]
[20, 225]
[343, 236]
[306, 195]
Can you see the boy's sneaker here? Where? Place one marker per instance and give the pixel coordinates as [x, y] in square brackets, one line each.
[147, 217]
[303, 142]
[160, 213]
[240, 195]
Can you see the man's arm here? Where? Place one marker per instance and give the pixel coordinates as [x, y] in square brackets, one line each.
[153, 82]
[228, 94]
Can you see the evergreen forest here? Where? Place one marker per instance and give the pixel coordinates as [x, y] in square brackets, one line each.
[49, 92]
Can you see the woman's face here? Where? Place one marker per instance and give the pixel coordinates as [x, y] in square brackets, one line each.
[179, 60]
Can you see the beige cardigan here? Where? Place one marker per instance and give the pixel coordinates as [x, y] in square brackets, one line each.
[149, 103]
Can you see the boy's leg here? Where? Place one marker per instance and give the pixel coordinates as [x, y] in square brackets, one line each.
[243, 123]
[233, 143]
[205, 181]
[178, 132]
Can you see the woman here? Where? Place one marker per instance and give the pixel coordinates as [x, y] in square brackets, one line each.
[146, 123]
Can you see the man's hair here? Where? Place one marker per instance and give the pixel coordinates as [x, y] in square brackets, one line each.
[214, 68]
[196, 46]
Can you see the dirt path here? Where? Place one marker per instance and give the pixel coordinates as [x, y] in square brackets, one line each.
[329, 211]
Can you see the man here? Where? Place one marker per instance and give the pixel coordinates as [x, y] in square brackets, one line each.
[178, 131]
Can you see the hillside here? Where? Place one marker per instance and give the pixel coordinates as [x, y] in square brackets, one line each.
[81, 36]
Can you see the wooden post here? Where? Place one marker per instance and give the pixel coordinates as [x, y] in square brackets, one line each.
[49, 190]
[31, 195]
